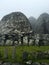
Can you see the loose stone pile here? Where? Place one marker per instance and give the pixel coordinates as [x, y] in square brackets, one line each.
[35, 63]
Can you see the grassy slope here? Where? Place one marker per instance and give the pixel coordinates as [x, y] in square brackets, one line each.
[19, 51]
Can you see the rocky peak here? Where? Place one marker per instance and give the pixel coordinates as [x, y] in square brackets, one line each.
[15, 21]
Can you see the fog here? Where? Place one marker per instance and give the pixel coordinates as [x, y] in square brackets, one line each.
[28, 7]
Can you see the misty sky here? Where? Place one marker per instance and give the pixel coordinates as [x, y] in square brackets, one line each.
[28, 7]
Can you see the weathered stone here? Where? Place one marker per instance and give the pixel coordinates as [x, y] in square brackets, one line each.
[14, 52]
[6, 52]
[16, 63]
[0, 62]
[44, 64]
[25, 56]
[15, 22]
[7, 63]
[35, 63]
[29, 62]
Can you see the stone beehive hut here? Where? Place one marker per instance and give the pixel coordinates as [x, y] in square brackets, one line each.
[14, 22]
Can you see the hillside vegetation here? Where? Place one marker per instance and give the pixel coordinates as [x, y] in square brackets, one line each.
[19, 52]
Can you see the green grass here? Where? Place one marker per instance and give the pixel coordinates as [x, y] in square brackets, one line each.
[20, 50]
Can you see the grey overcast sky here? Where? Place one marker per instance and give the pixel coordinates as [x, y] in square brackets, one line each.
[28, 7]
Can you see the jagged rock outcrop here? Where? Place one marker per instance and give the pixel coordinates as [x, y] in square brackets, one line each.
[15, 22]
[42, 24]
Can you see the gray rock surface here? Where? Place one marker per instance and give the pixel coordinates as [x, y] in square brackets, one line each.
[32, 21]
[35, 63]
[15, 22]
[6, 53]
[14, 52]
[7, 63]
[42, 23]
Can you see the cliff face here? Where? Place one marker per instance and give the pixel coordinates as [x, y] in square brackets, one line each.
[42, 24]
[32, 21]
[15, 22]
